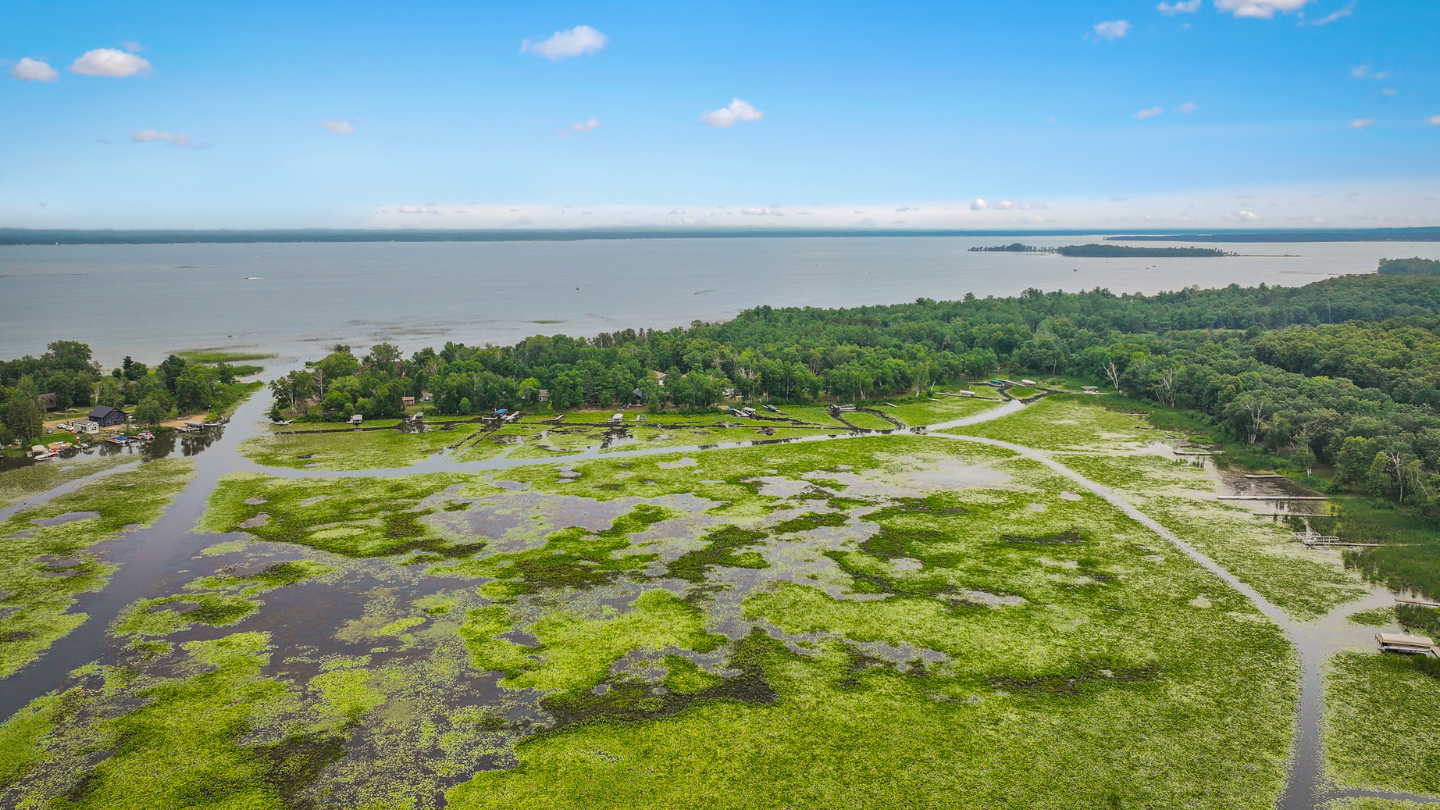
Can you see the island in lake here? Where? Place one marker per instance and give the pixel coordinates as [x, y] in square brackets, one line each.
[1094, 251]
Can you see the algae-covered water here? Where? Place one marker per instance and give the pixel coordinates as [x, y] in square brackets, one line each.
[936, 616]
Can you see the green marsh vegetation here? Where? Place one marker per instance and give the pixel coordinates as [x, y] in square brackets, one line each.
[349, 449]
[44, 567]
[18, 484]
[1110, 448]
[1382, 721]
[877, 620]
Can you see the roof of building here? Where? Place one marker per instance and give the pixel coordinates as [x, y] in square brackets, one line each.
[102, 411]
[1395, 638]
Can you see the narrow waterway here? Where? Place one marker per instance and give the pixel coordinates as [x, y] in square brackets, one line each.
[150, 562]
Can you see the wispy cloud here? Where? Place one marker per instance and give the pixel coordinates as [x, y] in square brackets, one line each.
[33, 70]
[109, 62]
[1112, 30]
[979, 205]
[1034, 207]
[730, 116]
[1242, 216]
[1367, 72]
[1179, 7]
[1338, 14]
[1260, 9]
[154, 136]
[337, 126]
[1433, 120]
[578, 41]
[1149, 112]
[418, 209]
[1361, 123]
[134, 47]
[586, 126]
[1187, 108]
[1004, 205]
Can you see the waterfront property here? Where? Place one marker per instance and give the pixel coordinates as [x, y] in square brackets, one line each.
[107, 416]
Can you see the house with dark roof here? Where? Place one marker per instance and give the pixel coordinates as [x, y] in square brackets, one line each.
[106, 416]
[48, 402]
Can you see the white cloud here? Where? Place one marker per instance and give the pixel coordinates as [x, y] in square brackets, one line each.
[580, 40]
[1260, 9]
[33, 70]
[902, 209]
[1179, 7]
[1433, 120]
[418, 209]
[1188, 107]
[586, 126]
[730, 116]
[1361, 123]
[979, 205]
[1184, 218]
[762, 212]
[1149, 112]
[1242, 216]
[1338, 14]
[1034, 207]
[109, 62]
[1112, 30]
[1004, 205]
[134, 47]
[151, 136]
[337, 126]
[677, 211]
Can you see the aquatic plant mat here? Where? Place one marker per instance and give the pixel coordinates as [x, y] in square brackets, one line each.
[879, 621]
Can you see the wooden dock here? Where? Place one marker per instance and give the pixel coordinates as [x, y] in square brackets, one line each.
[1273, 497]
[1420, 602]
[1313, 539]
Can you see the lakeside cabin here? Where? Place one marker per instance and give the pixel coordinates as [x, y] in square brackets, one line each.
[47, 401]
[106, 416]
[407, 401]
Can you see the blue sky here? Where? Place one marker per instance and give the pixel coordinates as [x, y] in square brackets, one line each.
[1277, 113]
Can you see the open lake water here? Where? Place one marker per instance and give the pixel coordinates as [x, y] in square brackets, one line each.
[298, 299]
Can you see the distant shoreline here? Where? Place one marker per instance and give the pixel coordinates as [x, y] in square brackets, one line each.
[21, 236]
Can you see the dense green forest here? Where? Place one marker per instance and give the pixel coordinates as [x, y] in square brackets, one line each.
[1415, 265]
[1342, 372]
[1107, 251]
